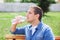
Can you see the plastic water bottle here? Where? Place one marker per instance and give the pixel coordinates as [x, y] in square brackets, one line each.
[19, 19]
[22, 19]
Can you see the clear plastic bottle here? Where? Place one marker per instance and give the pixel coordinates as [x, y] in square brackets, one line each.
[19, 19]
[22, 19]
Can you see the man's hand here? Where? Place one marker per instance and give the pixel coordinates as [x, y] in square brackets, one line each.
[15, 21]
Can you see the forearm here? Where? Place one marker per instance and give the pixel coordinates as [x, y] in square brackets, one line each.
[15, 22]
[13, 28]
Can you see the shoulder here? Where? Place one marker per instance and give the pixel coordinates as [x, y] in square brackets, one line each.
[48, 32]
[46, 27]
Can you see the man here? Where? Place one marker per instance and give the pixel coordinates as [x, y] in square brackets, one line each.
[37, 30]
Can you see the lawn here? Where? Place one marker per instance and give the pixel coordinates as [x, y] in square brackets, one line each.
[51, 18]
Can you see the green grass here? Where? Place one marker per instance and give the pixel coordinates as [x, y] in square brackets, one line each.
[51, 18]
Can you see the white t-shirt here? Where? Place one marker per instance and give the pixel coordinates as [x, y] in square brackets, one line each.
[33, 29]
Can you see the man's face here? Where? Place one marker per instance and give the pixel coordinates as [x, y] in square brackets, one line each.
[30, 15]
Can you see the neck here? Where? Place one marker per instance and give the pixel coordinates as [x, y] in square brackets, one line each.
[34, 23]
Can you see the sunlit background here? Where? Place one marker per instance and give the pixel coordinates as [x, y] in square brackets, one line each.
[11, 8]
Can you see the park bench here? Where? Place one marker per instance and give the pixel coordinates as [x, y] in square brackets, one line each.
[21, 37]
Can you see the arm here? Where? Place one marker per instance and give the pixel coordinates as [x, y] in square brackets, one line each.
[15, 30]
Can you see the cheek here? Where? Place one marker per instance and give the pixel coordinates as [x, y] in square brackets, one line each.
[31, 17]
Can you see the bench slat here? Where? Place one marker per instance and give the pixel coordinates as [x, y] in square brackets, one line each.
[22, 37]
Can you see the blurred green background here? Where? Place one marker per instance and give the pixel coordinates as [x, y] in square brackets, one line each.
[51, 18]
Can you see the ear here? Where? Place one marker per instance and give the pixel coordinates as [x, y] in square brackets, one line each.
[37, 15]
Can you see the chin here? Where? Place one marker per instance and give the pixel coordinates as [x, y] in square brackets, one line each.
[29, 21]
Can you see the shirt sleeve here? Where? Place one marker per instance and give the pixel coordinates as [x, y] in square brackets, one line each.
[19, 31]
[48, 35]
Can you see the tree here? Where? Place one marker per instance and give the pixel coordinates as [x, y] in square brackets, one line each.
[44, 4]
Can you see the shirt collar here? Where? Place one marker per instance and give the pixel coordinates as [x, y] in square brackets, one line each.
[34, 27]
[38, 26]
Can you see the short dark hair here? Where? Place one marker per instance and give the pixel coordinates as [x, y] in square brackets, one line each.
[38, 10]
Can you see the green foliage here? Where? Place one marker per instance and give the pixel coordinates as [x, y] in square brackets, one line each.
[44, 4]
[9, 0]
[52, 1]
[34, 1]
[53, 20]
[25, 0]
